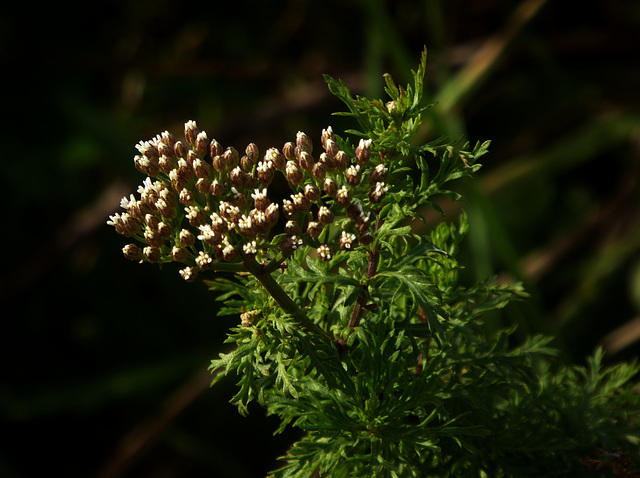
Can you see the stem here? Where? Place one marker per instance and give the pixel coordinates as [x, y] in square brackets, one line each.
[372, 265]
[284, 301]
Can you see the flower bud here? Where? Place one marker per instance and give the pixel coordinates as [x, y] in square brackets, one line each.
[246, 164]
[191, 132]
[250, 249]
[353, 175]
[180, 149]
[378, 174]
[327, 134]
[265, 172]
[164, 229]
[231, 157]
[165, 207]
[260, 199]
[130, 224]
[288, 208]
[167, 162]
[293, 172]
[276, 157]
[292, 228]
[332, 148]
[311, 192]
[303, 142]
[204, 261]
[215, 149]
[363, 151]
[195, 216]
[325, 216]
[230, 253]
[346, 240]
[179, 254]
[259, 220]
[132, 252]
[166, 149]
[314, 229]
[252, 152]
[152, 238]
[246, 227]
[178, 182]
[167, 139]
[272, 214]
[189, 274]
[152, 254]
[300, 202]
[148, 149]
[152, 221]
[306, 161]
[236, 178]
[203, 185]
[362, 222]
[324, 252]
[320, 170]
[217, 189]
[186, 238]
[289, 151]
[185, 168]
[341, 160]
[343, 197]
[378, 193]
[202, 144]
[201, 168]
[290, 243]
[186, 197]
[330, 187]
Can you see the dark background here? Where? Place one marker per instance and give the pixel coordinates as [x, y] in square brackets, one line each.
[104, 361]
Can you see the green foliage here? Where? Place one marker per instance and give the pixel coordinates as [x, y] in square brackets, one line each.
[378, 352]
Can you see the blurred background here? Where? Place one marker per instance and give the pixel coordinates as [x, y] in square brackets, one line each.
[104, 360]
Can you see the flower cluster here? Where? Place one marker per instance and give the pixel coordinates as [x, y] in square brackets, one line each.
[203, 204]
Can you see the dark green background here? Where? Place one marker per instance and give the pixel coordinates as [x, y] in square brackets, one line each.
[97, 350]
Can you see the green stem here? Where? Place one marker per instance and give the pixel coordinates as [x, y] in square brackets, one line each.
[284, 301]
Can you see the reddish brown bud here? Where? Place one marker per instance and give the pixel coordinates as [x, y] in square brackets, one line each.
[179, 254]
[292, 228]
[303, 142]
[202, 144]
[363, 151]
[191, 132]
[306, 161]
[152, 254]
[180, 149]
[217, 189]
[320, 171]
[325, 216]
[314, 229]
[293, 172]
[132, 252]
[330, 187]
[231, 157]
[215, 149]
[311, 192]
[341, 160]
[187, 238]
[289, 151]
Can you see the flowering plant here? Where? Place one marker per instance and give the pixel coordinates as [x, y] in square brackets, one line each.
[353, 327]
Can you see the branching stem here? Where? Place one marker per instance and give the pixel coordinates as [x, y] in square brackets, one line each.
[284, 301]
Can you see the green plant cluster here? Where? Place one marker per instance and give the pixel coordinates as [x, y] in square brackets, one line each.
[372, 347]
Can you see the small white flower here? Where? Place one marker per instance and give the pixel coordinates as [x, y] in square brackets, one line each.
[250, 248]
